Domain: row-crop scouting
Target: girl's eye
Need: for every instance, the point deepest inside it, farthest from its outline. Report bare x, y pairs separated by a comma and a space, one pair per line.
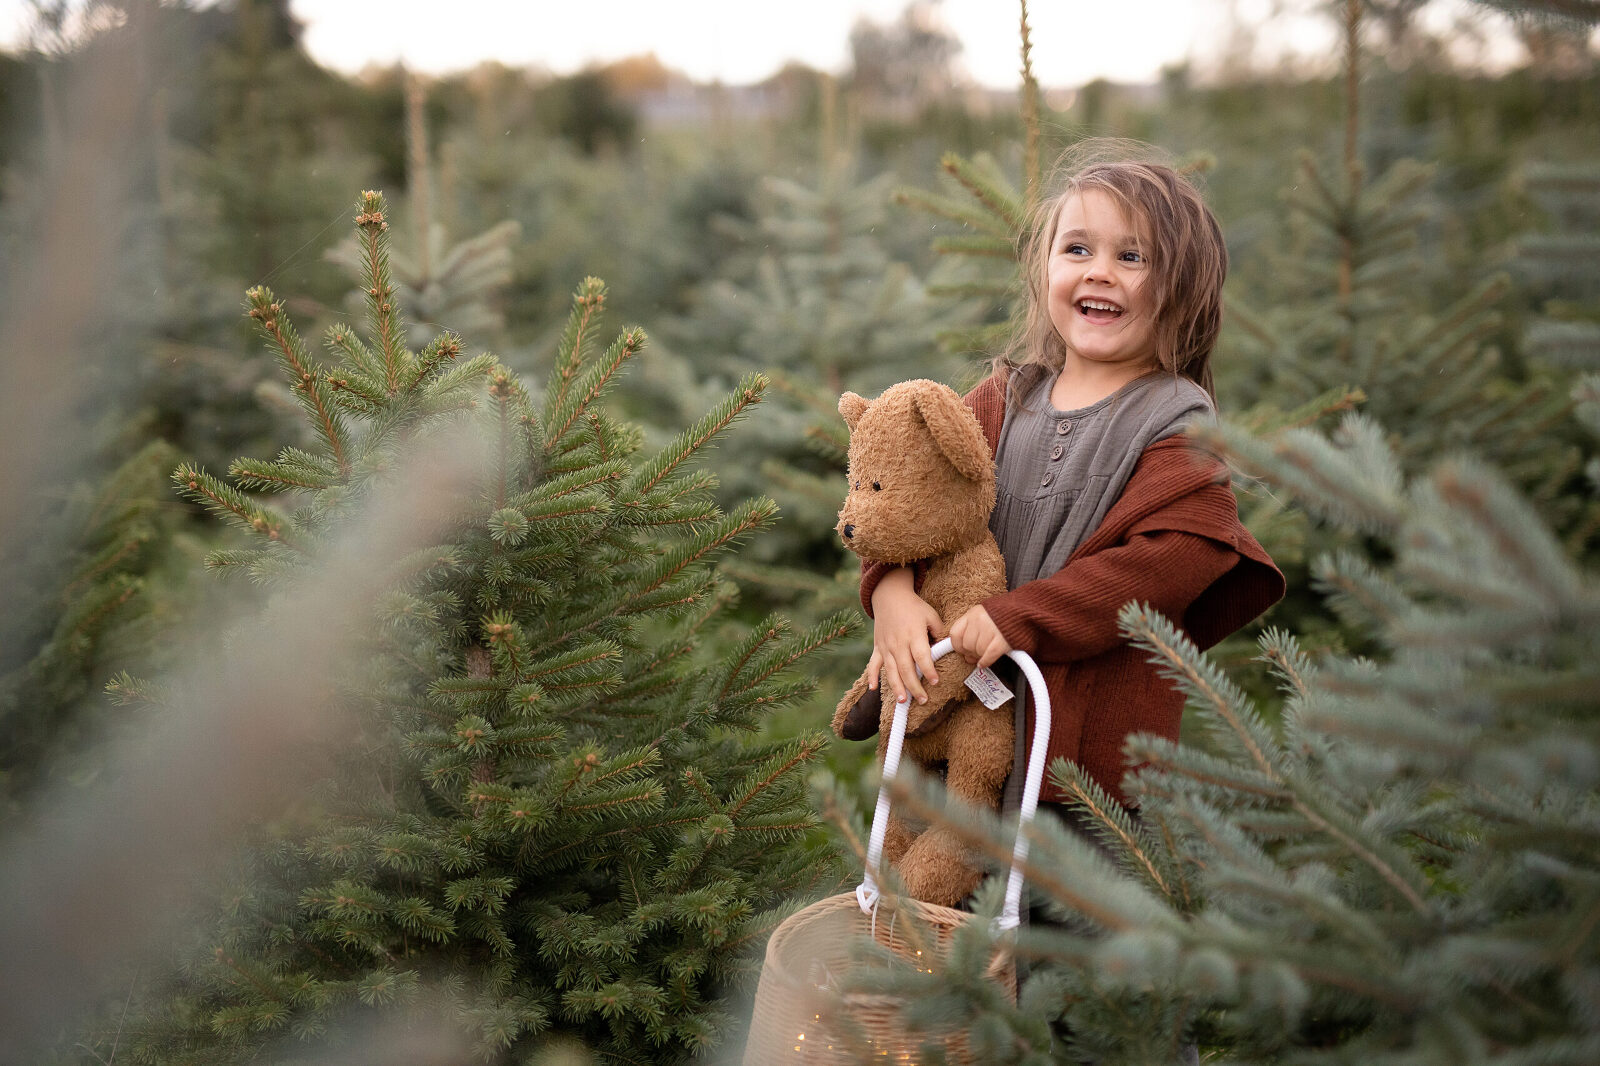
1076, 249
876, 487
1131, 256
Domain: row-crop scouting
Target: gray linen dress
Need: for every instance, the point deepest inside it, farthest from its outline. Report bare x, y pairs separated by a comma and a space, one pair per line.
1060, 472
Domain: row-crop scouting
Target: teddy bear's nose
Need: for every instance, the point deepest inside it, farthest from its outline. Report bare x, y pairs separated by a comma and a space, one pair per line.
849, 530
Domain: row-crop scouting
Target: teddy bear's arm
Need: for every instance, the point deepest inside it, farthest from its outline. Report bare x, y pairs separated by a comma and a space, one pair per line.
954, 585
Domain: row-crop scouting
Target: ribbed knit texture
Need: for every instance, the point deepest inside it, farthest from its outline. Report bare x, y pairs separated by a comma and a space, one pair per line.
1174, 541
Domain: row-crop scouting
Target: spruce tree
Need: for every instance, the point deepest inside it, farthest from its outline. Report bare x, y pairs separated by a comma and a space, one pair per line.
818, 303
120, 582
1558, 266
455, 284
1350, 311
556, 822
1402, 871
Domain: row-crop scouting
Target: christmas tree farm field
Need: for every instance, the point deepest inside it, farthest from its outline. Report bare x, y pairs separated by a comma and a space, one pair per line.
537, 811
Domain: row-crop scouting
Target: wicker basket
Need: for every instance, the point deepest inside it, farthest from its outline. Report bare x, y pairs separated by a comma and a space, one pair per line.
802, 1015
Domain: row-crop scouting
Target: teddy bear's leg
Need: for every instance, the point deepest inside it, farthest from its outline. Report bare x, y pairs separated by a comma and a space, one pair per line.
897, 839
981, 749
938, 868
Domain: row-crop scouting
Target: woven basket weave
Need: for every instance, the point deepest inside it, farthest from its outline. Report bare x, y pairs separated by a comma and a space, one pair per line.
803, 1015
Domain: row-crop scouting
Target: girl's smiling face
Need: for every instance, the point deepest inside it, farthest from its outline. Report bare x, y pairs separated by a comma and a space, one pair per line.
1098, 267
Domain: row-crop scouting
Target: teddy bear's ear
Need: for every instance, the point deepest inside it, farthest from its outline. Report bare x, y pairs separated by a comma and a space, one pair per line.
852, 407
955, 429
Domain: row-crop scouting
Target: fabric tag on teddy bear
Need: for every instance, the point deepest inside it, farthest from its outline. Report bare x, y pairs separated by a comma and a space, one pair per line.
988, 687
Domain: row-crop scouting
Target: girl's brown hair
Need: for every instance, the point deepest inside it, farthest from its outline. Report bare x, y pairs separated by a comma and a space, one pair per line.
1188, 258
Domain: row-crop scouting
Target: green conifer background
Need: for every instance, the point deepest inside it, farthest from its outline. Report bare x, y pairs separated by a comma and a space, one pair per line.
557, 820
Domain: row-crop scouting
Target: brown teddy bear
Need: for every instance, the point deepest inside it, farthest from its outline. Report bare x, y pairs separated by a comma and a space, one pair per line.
921, 490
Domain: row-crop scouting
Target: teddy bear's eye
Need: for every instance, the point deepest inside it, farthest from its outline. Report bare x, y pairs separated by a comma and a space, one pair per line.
858, 484
876, 487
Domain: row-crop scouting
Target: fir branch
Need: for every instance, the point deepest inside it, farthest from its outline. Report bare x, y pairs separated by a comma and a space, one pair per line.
93, 609
697, 436
1518, 537
255, 475
306, 378
598, 652
587, 303
505, 641
1032, 172
230, 504
125, 690
835, 627
233, 560
964, 244
119, 555
995, 848
442, 389
598, 474
697, 782
1182, 661
767, 630
1201, 768
1181, 657
955, 210
1185, 890
1110, 818
442, 350
381, 311
805, 752
576, 402
990, 189
746, 519
1282, 653
358, 392
342, 341
607, 801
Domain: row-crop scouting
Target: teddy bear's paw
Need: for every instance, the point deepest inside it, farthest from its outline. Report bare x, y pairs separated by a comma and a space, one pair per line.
938, 869
860, 721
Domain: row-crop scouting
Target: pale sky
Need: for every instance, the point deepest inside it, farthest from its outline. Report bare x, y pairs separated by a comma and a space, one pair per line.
741, 41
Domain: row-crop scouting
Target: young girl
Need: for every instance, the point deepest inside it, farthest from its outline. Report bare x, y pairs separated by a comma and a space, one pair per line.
1101, 501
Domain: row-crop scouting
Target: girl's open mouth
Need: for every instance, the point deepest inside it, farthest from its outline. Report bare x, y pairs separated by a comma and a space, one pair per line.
1099, 311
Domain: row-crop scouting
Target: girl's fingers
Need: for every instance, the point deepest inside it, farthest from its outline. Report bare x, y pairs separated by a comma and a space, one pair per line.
907, 664
874, 665
891, 674
958, 639
923, 656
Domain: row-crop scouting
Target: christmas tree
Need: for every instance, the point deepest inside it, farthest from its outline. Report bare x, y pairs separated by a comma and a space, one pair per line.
554, 820
1403, 871
1558, 266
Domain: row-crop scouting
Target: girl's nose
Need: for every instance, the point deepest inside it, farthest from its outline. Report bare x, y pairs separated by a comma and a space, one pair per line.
1098, 270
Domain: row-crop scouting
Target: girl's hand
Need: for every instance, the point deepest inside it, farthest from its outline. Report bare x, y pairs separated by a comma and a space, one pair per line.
902, 624
975, 637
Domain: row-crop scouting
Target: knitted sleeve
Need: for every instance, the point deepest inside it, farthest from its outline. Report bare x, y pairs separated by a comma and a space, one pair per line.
1072, 614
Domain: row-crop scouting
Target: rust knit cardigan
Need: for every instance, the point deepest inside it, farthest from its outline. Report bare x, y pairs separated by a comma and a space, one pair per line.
1172, 540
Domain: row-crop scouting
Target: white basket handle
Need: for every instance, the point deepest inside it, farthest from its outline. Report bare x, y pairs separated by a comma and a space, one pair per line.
867, 893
